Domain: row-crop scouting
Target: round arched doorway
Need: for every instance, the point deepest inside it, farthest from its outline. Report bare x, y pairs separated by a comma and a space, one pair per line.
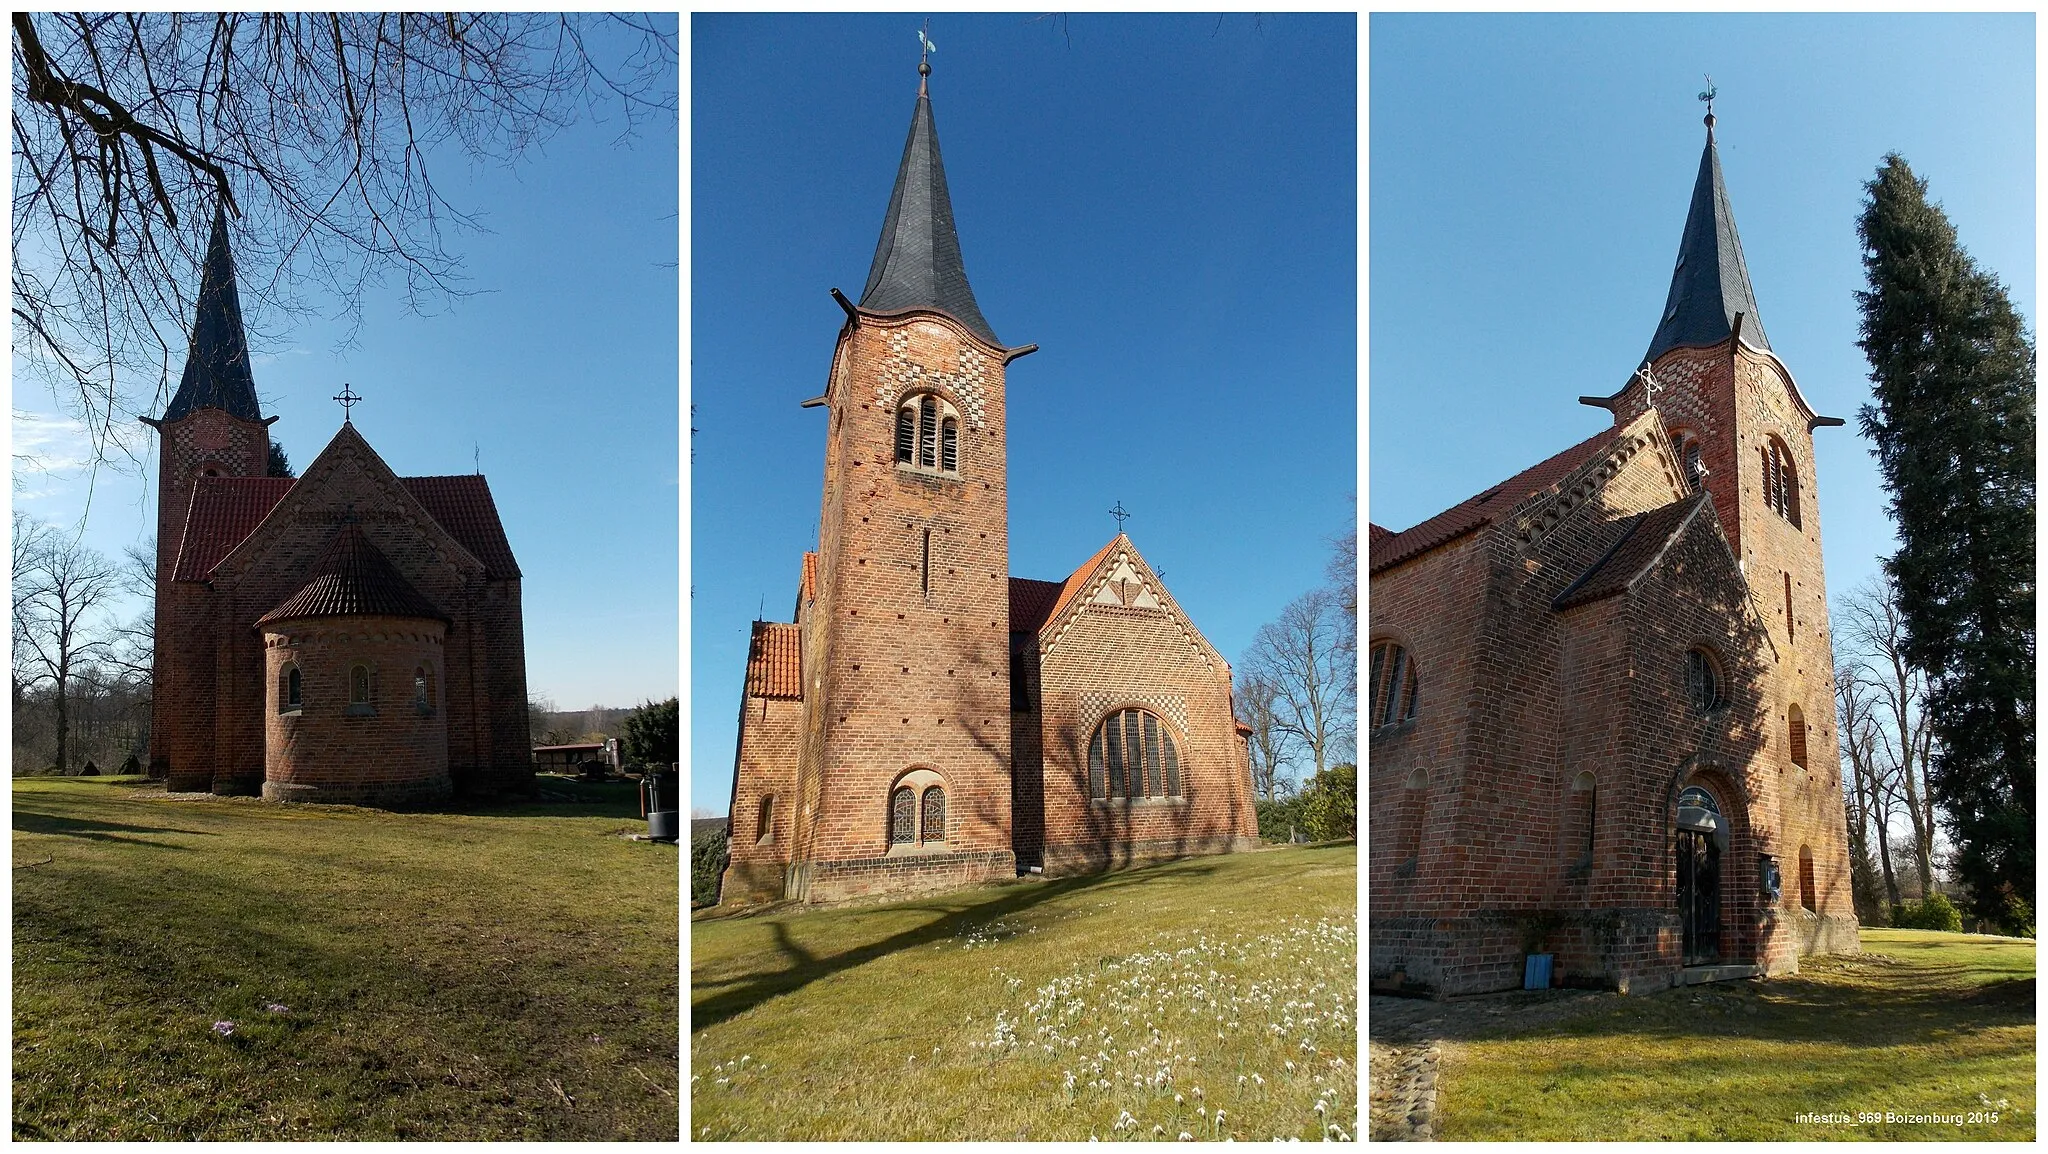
1702, 839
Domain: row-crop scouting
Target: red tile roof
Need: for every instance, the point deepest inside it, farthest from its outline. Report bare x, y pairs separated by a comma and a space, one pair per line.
224, 510
1643, 540
1477, 511
463, 506
350, 578
1031, 603
775, 661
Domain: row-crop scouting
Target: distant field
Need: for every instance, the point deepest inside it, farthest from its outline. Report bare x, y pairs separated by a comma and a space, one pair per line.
1923, 1023
1214, 997
496, 974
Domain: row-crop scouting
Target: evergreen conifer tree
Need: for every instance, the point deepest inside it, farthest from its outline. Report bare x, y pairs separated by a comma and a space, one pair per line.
1953, 426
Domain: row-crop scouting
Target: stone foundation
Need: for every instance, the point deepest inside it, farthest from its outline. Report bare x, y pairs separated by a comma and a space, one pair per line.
861, 879
1094, 857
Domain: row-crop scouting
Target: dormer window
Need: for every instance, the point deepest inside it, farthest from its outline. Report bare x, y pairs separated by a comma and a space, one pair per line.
928, 435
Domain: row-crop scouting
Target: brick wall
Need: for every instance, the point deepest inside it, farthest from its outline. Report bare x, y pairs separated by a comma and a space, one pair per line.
392, 752
1518, 699
212, 713
1102, 658
907, 650
764, 766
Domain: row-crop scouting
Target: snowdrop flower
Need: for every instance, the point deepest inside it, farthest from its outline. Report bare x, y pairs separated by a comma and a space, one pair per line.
276, 1008
224, 1028
1290, 1065
1186, 1137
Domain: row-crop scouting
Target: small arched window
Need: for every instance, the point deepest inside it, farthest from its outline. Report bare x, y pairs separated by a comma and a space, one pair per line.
932, 829
764, 825
1703, 679
1795, 733
1393, 685
928, 434
1133, 755
359, 685
903, 816
423, 695
290, 689
1806, 894
1780, 480
1689, 458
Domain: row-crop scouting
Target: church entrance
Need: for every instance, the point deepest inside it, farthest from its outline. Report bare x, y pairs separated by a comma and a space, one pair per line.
1701, 833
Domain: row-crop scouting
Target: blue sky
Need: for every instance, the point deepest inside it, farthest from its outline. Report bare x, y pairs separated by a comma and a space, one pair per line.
1168, 207
559, 378
1529, 181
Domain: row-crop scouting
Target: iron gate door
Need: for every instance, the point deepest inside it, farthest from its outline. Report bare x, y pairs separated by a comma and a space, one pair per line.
1699, 896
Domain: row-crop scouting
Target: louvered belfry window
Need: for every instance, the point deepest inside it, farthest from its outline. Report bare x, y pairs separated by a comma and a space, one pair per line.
903, 816
933, 828
1133, 755
1780, 480
928, 434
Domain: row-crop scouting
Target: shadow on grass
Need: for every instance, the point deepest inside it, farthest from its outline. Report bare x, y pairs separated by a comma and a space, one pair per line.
29, 821
806, 966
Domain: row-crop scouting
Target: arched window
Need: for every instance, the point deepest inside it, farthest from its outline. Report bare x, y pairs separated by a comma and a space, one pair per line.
1780, 480
290, 689
1579, 833
764, 826
1133, 755
1806, 897
1689, 458
932, 829
928, 434
903, 816
359, 685
1703, 679
1393, 685
423, 696
1795, 733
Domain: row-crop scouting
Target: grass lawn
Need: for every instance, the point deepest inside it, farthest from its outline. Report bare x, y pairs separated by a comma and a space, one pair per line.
1922, 1023
495, 974
1134, 1005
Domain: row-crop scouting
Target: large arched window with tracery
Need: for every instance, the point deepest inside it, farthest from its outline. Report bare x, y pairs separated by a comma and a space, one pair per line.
928, 434
1133, 754
917, 810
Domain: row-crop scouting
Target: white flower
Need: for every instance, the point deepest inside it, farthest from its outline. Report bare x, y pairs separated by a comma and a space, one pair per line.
1186, 1137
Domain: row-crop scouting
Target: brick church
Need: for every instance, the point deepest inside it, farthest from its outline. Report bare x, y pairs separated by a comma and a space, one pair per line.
347, 636
928, 720
1601, 694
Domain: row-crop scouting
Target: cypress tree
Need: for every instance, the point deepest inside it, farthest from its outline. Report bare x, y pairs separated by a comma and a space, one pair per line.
1953, 428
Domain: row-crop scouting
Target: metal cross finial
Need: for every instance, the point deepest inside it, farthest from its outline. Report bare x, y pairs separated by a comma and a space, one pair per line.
1649, 385
348, 398
1121, 514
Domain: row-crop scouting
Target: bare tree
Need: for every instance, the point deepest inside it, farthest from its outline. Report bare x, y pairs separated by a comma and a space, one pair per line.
1872, 788
1313, 673
1872, 633
1271, 746
60, 589
318, 133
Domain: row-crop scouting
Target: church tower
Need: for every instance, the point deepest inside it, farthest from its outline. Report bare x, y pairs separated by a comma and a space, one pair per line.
1744, 433
214, 426
903, 773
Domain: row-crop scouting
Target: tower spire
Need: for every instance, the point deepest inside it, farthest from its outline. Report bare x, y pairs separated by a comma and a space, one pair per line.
217, 366
1710, 295
917, 262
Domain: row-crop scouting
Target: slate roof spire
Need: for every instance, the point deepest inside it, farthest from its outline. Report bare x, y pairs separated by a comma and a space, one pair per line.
917, 263
217, 367
1710, 287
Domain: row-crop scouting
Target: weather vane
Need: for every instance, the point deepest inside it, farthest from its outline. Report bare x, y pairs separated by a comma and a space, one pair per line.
1121, 514
1707, 98
348, 397
924, 59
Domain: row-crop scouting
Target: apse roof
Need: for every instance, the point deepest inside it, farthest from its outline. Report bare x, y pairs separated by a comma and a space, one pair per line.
351, 578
